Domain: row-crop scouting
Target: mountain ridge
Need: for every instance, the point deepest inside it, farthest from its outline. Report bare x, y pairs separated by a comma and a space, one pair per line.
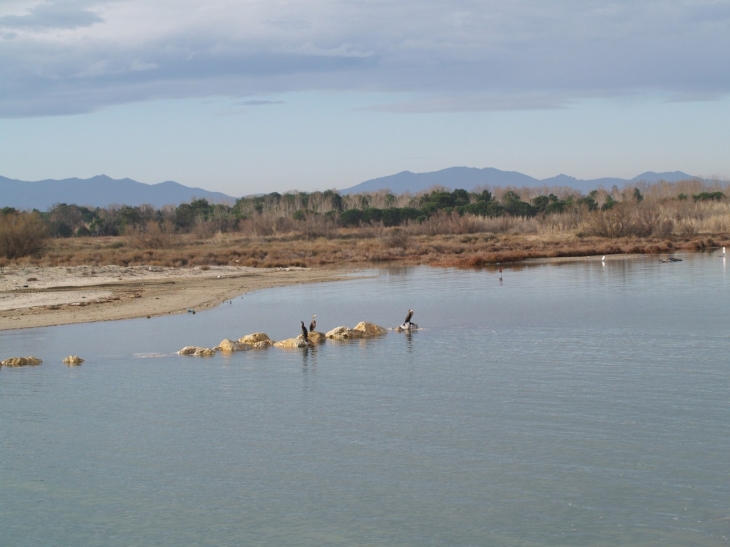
469, 178
99, 191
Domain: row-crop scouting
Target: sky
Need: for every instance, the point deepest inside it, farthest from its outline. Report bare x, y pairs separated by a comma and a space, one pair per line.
250, 96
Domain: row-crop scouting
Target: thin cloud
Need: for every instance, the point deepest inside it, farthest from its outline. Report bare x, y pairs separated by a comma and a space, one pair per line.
259, 103
62, 57
473, 104
54, 15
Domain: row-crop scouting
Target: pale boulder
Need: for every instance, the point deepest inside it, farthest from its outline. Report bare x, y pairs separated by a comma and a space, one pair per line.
73, 360
298, 342
197, 351
368, 330
21, 361
255, 338
229, 346
340, 333
362, 330
317, 337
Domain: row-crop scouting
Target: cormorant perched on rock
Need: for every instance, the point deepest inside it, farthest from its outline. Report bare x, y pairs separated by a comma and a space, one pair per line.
304, 331
408, 318
313, 324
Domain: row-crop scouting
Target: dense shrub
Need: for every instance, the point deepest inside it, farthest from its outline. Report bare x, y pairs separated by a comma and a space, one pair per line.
22, 234
154, 235
709, 196
351, 217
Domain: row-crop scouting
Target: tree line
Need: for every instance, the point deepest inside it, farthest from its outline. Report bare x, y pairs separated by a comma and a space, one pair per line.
307, 213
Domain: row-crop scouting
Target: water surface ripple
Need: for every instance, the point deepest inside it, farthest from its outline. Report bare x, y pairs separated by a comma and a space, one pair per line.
574, 404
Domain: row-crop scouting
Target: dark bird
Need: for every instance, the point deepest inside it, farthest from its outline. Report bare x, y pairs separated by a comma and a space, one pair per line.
408, 318
313, 324
304, 331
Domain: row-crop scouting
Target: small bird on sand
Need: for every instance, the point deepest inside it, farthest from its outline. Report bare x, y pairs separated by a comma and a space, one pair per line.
190, 310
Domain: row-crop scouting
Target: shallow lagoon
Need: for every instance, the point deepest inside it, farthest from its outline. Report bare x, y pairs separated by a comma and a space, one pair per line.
571, 404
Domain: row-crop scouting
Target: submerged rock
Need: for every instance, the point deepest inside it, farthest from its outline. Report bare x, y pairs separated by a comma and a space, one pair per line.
73, 360
406, 327
229, 346
197, 351
21, 361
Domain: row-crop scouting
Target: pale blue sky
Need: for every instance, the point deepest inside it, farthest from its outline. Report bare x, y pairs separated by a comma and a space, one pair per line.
245, 96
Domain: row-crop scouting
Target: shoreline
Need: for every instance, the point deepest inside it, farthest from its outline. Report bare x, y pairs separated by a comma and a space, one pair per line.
32, 296
35, 296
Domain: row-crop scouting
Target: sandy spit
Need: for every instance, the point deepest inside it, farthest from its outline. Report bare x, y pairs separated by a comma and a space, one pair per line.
42, 297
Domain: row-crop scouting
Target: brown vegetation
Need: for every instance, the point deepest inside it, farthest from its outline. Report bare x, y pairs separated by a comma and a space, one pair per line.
657, 218
405, 245
21, 234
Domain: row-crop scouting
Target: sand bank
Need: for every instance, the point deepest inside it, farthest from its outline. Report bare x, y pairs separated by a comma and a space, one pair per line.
40, 297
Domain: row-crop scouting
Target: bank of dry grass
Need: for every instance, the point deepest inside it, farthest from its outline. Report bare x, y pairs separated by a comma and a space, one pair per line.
656, 224
473, 249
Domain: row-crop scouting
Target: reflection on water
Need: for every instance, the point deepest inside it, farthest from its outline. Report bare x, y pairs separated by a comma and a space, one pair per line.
577, 403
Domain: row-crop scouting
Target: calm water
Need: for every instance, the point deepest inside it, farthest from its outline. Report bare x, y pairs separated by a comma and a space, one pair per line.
575, 404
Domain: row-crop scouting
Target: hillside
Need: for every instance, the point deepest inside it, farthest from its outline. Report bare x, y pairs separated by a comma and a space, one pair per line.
469, 178
99, 191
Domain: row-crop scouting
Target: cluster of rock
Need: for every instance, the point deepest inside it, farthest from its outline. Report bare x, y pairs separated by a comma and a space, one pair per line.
197, 351
71, 360
260, 340
362, 330
406, 327
21, 361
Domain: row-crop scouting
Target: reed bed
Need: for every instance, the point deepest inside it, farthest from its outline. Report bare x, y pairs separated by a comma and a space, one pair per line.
407, 245
648, 218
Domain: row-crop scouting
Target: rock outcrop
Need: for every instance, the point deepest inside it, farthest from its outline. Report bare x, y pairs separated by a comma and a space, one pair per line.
257, 340
368, 330
317, 337
406, 327
362, 330
197, 351
340, 333
289, 343
73, 360
21, 361
229, 346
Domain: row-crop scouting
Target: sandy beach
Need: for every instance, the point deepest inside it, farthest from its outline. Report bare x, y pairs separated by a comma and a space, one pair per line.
39, 297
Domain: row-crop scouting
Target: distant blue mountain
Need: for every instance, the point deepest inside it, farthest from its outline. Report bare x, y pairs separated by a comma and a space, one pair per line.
99, 191
469, 178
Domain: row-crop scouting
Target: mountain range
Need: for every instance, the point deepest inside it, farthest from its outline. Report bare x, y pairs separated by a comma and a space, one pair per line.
469, 178
99, 191
102, 191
